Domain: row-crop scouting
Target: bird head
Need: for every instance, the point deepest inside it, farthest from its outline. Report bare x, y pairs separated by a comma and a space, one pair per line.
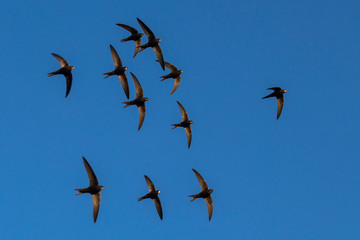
158, 191
141, 34
284, 90
125, 68
191, 121
158, 40
211, 190
101, 187
145, 99
181, 71
72, 67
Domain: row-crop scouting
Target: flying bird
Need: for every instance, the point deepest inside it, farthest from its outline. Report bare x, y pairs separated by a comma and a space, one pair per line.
94, 189
152, 42
279, 94
135, 36
153, 194
139, 101
205, 194
119, 71
185, 123
175, 74
64, 70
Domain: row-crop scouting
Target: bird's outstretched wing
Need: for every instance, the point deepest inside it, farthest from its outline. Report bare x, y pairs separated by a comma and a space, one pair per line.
96, 204
209, 204
92, 177
188, 131
159, 56
280, 103
128, 28
184, 114
68, 78
149, 183
201, 180
158, 207
115, 57
61, 60
146, 30
139, 90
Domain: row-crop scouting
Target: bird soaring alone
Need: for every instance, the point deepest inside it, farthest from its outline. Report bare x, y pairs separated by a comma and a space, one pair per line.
279, 94
94, 189
205, 193
153, 194
64, 70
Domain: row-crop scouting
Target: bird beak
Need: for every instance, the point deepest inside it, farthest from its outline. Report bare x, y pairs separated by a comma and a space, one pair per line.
284, 90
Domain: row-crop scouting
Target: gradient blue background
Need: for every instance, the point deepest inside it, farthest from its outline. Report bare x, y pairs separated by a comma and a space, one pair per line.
293, 178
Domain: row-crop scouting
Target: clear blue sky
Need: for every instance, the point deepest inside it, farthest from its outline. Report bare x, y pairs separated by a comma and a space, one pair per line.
293, 178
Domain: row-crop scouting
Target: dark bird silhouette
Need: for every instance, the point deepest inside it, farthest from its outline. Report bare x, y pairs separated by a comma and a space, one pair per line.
135, 36
64, 70
153, 194
175, 74
185, 123
119, 71
94, 189
279, 94
205, 194
152, 42
139, 101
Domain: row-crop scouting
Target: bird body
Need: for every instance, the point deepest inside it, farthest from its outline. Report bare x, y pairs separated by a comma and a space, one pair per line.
135, 36
175, 74
153, 42
279, 94
185, 123
64, 70
153, 194
205, 193
139, 101
119, 71
94, 189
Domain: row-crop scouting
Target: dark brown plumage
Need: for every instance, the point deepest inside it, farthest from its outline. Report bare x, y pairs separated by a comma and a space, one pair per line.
205, 193
152, 42
185, 123
64, 70
139, 101
279, 94
175, 74
135, 36
153, 194
94, 189
119, 71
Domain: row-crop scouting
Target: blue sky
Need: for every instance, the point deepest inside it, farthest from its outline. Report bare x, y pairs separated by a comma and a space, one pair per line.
292, 178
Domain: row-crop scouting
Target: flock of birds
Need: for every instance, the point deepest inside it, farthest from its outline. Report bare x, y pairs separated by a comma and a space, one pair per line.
139, 100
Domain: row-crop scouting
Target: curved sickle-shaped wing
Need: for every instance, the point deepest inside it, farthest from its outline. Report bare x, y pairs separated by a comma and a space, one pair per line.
128, 28
280, 103
158, 206
209, 204
115, 57
96, 205
150, 184
139, 90
184, 114
146, 30
61, 60
68, 78
201, 180
92, 177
